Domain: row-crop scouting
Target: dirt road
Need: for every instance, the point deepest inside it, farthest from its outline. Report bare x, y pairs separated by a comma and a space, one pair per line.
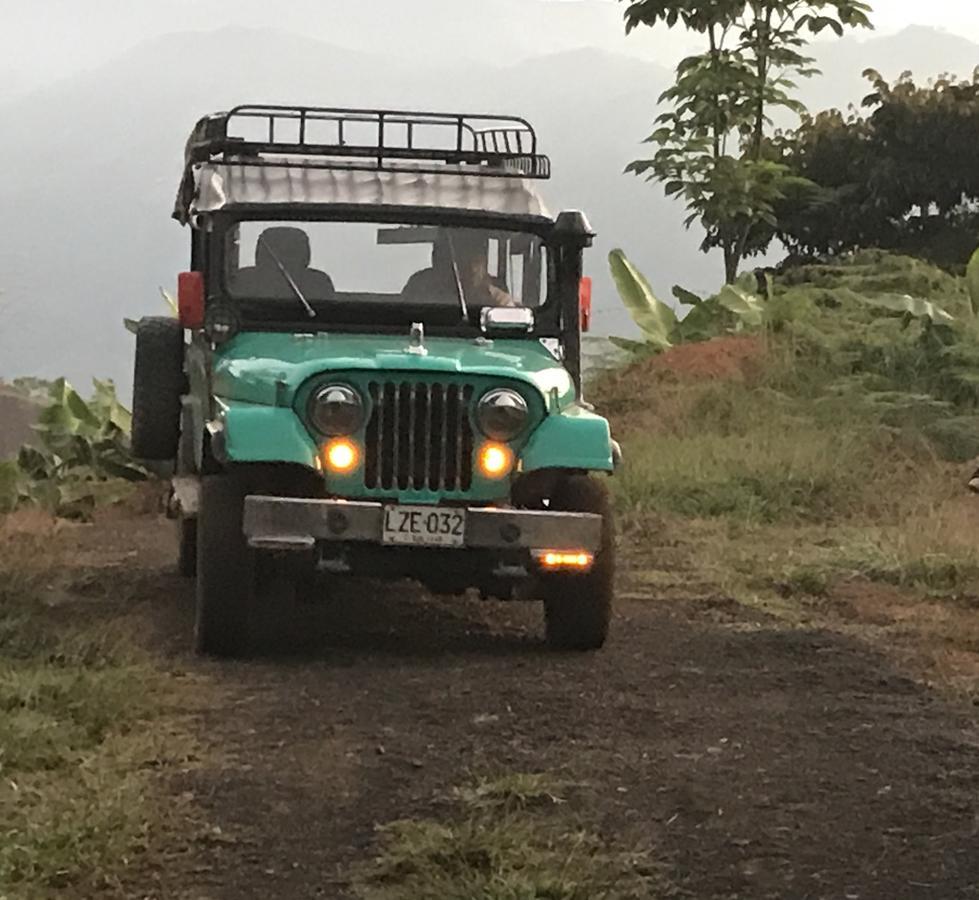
750, 760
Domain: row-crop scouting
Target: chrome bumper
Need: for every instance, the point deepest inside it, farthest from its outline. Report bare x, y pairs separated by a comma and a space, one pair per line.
274, 523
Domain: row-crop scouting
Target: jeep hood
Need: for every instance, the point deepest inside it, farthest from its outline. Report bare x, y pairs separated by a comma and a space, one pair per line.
269, 368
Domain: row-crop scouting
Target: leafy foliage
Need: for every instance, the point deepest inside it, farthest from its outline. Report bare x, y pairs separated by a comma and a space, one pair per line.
866, 383
734, 308
36, 389
80, 458
712, 148
900, 177
972, 282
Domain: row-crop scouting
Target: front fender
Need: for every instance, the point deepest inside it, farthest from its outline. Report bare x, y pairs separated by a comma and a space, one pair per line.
572, 439
253, 433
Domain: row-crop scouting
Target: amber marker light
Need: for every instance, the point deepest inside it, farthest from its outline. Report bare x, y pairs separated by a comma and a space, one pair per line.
557, 559
341, 456
495, 460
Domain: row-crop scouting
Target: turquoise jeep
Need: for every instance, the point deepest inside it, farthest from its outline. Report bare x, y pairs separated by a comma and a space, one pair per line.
376, 369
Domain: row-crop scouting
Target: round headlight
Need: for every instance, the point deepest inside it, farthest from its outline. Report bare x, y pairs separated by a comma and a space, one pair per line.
336, 410
502, 414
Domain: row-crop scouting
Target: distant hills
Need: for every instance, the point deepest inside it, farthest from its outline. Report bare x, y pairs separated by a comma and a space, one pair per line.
92, 163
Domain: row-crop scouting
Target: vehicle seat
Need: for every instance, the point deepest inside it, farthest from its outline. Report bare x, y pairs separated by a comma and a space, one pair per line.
264, 280
436, 284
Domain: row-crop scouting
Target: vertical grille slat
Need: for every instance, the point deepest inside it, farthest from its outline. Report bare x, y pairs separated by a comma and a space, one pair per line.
443, 482
460, 415
396, 434
374, 437
468, 444
419, 437
409, 469
388, 443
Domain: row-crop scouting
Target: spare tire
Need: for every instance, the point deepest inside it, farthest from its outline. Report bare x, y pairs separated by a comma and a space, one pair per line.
158, 384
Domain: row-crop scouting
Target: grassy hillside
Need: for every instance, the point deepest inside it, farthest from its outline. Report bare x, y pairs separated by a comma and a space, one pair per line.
817, 472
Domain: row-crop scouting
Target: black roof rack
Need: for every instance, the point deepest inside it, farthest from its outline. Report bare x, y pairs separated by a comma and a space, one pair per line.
365, 140
371, 139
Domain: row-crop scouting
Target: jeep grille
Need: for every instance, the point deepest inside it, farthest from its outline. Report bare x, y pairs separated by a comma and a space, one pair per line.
419, 437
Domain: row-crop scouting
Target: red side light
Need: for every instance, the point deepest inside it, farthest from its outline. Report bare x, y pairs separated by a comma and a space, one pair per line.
190, 299
584, 303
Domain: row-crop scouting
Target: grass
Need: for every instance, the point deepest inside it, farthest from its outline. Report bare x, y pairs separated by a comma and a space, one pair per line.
752, 453
825, 485
76, 755
506, 838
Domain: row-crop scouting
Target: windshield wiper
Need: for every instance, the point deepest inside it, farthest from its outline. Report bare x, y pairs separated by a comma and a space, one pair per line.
289, 279
460, 290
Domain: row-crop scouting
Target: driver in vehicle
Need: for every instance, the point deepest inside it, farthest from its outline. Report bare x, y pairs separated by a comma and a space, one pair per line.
282, 263
479, 285
471, 262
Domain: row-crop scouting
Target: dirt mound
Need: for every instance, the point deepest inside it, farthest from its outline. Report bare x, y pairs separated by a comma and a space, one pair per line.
725, 359
17, 415
639, 395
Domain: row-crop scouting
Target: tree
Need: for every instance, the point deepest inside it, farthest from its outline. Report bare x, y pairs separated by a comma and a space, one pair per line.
901, 176
712, 142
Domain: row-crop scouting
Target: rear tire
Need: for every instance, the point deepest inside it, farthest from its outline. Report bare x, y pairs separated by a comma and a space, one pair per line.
578, 608
225, 569
158, 383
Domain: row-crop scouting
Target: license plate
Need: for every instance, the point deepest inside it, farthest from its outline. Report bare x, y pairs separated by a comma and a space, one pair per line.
424, 526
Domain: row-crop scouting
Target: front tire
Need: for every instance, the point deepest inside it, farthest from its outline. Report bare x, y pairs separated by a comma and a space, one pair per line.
225, 569
578, 608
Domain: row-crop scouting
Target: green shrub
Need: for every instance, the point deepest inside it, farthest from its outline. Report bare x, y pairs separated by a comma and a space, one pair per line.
80, 458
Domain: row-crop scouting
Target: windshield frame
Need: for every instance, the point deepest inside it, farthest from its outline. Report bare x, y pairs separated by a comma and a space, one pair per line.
547, 313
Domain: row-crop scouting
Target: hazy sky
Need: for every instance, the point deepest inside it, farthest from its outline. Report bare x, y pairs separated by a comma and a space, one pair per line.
957, 16
45, 38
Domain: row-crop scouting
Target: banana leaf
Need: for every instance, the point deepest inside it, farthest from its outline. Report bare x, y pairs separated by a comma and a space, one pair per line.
655, 319
916, 307
748, 308
972, 281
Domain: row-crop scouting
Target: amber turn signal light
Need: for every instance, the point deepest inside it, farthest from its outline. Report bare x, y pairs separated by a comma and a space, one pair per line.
495, 460
580, 561
341, 456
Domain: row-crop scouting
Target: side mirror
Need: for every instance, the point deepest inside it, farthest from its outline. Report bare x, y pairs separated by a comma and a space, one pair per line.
584, 302
190, 299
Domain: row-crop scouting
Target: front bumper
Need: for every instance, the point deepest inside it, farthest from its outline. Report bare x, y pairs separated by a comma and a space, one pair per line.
275, 523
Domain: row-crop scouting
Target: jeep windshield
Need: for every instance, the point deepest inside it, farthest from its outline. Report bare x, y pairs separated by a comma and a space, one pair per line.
374, 274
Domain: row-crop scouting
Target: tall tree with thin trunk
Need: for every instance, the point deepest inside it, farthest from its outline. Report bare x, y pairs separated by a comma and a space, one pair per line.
712, 141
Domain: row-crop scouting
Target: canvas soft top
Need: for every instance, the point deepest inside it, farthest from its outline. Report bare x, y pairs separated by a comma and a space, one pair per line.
223, 186
258, 157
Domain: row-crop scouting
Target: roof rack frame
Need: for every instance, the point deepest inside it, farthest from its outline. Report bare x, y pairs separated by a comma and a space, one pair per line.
483, 145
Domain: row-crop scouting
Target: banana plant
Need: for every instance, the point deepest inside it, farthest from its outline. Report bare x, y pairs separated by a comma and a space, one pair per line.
81, 457
655, 319
735, 308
